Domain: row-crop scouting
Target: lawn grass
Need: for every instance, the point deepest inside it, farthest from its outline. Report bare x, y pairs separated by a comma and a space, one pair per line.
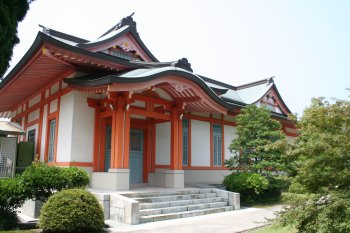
276, 229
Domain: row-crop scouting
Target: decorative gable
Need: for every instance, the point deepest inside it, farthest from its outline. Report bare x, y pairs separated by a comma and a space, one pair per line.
122, 41
273, 102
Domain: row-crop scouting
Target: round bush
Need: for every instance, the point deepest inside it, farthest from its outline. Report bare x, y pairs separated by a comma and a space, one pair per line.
249, 185
71, 210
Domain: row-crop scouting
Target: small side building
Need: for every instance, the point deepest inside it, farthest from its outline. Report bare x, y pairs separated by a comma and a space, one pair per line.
111, 107
9, 132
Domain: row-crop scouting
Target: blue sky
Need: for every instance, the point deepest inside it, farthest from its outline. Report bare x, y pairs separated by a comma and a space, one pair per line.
305, 44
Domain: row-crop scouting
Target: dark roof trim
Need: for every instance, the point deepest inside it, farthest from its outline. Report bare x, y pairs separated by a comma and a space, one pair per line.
41, 38
102, 56
127, 21
280, 98
209, 80
25, 59
256, 83
98, 81
110, 79
62, 35
181, 63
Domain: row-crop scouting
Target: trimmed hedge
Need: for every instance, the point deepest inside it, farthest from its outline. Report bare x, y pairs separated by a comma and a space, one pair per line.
71, 210
255, 187
41, 181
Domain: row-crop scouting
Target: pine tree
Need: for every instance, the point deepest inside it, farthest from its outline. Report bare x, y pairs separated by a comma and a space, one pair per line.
255, 131
11, 12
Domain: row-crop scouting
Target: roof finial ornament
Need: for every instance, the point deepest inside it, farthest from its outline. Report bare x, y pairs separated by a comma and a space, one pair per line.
128, 20
184, 64
46, 30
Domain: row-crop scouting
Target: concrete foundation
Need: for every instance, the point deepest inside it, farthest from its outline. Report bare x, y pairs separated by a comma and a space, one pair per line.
124, 210
205, 176
31, 208
167, 178
114, 179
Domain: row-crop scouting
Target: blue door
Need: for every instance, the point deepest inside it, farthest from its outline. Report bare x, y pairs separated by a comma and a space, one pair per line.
136, 156
108, 148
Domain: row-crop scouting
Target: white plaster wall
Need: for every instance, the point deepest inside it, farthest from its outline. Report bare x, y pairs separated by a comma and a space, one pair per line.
47, 93
65, 124
205, 176
43, 133
163, 143
83, 129
139, 104
34, 100
229, 134
34, 115
53, 106
55, 88
200, 143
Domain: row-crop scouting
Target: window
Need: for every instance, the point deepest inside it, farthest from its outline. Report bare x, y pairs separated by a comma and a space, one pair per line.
52, 135
31, 136
185, 142
217, 145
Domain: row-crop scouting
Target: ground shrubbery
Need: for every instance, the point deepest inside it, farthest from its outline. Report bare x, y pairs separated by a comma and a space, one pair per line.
73, 210
255, 187
38, 182
41, 181
12, 196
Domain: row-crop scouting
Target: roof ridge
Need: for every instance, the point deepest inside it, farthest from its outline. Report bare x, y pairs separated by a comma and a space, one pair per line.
213, 81
128, 20
256, 83
62, 35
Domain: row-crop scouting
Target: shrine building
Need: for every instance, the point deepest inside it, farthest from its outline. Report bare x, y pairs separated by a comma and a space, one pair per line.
110, 107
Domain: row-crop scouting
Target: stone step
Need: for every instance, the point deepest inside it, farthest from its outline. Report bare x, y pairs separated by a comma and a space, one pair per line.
174, 209
185, 214
155, 205
167, 193
174, 197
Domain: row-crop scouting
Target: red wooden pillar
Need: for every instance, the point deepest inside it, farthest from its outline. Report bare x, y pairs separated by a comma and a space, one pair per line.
174, 147
118, 134
180, 144
97, 139
126, 145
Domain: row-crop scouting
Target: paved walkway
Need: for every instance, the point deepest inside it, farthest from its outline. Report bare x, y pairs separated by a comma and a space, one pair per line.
226, 222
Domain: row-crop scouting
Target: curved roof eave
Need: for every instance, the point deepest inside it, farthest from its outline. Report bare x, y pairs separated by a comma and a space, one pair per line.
33, 48
133, 32
42, 38
280, 98
110, 79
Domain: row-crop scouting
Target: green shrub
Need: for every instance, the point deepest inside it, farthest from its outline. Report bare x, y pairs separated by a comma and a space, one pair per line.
41, 181
71, 210
316, 213
256, 187
11, 197
249, 185
277, 185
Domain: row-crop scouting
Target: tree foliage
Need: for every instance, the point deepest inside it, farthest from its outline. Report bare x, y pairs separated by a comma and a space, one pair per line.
318, 198
11, 12
256, 130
